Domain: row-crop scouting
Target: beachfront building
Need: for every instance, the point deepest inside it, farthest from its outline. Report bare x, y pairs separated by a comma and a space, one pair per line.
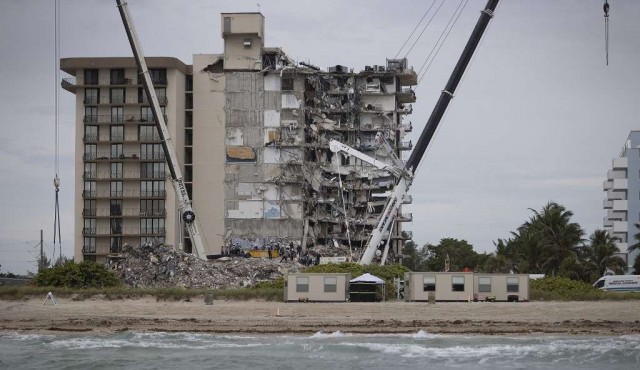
251, 129
622, 200
465, 286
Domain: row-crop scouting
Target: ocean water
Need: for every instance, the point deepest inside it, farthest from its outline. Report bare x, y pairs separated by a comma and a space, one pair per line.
324, 351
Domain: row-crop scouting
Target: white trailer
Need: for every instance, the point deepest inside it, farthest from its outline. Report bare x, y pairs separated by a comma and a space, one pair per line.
619, 283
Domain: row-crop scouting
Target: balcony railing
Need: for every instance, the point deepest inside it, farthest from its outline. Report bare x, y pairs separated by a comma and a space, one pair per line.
89, 249
149, 137
126, 212
405, 145
88, 231
91, 100
121, 156
117, 118
130, 231
89, 175
127, 193
90, 138
153, 175
89, 212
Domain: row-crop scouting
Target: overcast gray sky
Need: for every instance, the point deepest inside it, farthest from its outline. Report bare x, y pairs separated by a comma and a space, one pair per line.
538, 117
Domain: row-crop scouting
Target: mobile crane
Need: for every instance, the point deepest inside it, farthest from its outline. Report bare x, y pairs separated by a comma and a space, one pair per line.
184, 203
404, 173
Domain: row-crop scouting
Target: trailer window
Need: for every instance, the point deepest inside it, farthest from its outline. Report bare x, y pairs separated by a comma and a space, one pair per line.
429, 284
513, 284
484, 284
330, 284
302, 284
457, 283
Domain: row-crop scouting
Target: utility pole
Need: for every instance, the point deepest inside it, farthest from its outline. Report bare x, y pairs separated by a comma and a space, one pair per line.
41, 264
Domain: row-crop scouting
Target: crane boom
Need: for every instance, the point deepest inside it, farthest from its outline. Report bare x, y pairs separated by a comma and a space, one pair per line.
184, 203
404, 182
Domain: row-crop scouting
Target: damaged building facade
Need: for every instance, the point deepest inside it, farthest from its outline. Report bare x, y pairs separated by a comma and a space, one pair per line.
252, 131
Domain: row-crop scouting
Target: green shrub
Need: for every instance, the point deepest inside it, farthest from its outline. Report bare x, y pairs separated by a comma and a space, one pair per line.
562, 286
76, 275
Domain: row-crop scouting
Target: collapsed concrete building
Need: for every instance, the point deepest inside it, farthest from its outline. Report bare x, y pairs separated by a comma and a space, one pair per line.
251, 128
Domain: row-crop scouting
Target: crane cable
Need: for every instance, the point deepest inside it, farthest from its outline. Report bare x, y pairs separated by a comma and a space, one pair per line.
414, 29
56, 179
605, 7
443, 36
424, 29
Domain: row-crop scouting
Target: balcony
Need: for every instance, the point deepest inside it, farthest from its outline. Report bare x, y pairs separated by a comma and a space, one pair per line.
607, 204
126, 212
607, 223
620, 184
405, 217
89, 175
408, 127
620, 205
91, 100
127, 193
620, 163
607, 185
408, 199
405, 235
107, 156
89, 249
89, 212
620, 226
129, 118
88, 231
407, 95
405, 145
69, 84
130, 231
90, 138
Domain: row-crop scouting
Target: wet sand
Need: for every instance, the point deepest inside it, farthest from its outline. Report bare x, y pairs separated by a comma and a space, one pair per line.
98, 315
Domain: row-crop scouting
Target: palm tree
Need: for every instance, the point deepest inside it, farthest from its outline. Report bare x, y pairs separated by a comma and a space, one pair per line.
635, 246
600, 255
556, 235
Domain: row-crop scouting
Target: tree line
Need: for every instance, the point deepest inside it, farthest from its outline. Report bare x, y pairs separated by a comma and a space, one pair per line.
547, 243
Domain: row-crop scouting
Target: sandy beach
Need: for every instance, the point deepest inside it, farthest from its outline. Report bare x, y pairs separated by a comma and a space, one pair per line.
146, 314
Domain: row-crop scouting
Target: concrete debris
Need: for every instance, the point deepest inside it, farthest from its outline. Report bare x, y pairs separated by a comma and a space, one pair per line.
164, 266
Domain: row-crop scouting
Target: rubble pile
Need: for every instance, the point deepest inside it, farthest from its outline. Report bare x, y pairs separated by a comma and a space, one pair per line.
330, 250
163, 266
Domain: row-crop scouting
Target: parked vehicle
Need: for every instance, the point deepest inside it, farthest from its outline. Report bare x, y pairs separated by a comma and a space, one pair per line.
619, 283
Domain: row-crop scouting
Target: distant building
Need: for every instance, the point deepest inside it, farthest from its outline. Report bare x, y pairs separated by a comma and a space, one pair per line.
622, 202
251, 130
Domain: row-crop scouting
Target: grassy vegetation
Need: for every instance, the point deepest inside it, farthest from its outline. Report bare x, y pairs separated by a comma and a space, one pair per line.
565, 289
161, 294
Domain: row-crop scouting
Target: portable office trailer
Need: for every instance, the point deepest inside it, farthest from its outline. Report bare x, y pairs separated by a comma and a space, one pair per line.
446, 286
317, 287
464, 286
501, 287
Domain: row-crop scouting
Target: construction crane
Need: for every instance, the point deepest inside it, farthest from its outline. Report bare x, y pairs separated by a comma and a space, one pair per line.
405, 173
184, 203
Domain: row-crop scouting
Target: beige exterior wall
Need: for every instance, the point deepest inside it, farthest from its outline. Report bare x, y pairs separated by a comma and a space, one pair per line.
243, 35
209, 151
444, 292
316, 288
499, 286
414, 286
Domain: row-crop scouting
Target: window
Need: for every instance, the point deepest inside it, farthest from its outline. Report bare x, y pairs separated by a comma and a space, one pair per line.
116, 133
115, 207
151, 151
117, 114
89, 226
90, 169
89, 245
117, 96
90, 152
151, 189
146, 115
152, 207
90, 114
90, 76
116, 170
302, 284
148, 133
188, 83
116, 244
92, 96
116, 151
513, 284
161, 94
286, 84
117, 76
600, 283
116, 226
330, 284
89, 189
429, 283
116, 189
89, 208
484, 284
151, 226
158, 76
152, 170
90, 134
457, 283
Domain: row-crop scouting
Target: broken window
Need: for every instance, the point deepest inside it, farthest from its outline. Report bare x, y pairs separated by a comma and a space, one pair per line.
286, 84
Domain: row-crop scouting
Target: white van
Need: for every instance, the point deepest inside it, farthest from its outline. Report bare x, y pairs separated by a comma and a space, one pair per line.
619, 283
